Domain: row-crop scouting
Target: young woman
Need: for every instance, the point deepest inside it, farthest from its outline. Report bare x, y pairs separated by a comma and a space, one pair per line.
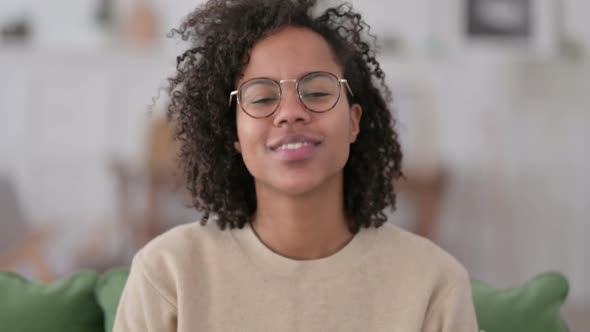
288, 144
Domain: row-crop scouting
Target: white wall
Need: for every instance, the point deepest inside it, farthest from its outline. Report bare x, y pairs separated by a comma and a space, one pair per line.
419, 22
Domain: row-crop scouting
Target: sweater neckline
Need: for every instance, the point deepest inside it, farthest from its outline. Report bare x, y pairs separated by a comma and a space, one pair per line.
349, 256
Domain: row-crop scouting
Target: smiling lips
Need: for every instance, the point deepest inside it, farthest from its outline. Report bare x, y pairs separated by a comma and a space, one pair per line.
295, 147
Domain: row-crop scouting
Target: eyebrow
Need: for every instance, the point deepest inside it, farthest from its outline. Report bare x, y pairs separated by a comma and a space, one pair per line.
279, 79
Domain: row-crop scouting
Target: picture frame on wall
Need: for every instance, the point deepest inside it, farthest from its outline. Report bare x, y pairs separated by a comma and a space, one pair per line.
503, 27
502, 19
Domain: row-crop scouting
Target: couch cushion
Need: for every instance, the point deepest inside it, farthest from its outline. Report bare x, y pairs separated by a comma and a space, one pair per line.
532, 307
108, 291
63, 306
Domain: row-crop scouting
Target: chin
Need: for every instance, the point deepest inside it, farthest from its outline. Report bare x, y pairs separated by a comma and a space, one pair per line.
287, 185
297, 187
298, 182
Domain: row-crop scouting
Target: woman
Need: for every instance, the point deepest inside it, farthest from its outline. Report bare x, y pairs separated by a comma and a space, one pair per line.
288, 143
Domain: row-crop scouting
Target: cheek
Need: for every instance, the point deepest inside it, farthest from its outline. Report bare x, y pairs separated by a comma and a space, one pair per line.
340, 138
251, 139
246, 130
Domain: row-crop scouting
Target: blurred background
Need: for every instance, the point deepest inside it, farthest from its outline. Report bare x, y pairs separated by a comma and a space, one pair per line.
492, 99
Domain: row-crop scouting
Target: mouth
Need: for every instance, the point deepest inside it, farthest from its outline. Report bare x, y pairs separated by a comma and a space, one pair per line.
294, 141
295, 147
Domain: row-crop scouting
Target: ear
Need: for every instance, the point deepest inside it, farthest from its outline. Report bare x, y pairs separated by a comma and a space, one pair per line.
356, 112
237, 146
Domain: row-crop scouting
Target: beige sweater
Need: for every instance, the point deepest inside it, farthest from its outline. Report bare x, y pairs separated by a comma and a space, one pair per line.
200, 278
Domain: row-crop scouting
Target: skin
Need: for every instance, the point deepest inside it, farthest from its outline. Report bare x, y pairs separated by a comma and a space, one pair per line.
300, 211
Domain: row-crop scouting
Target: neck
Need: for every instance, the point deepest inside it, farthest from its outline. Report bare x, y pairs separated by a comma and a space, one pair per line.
307, 226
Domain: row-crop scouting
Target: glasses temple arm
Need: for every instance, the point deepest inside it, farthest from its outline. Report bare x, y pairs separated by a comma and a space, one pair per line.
347, 86
233, 93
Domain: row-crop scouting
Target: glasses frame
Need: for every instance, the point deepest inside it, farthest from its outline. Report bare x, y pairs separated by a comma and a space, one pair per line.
340, 81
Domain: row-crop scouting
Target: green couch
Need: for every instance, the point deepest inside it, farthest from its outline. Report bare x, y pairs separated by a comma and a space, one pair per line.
87, 302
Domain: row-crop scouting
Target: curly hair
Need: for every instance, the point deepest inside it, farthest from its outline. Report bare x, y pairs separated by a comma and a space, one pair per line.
222, 34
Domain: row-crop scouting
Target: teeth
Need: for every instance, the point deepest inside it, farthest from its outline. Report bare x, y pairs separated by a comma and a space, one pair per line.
293, 146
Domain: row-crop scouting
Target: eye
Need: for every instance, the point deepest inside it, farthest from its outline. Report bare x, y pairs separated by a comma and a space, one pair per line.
315, 95
266, 100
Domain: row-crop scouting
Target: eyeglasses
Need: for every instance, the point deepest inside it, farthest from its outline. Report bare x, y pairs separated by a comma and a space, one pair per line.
317, 91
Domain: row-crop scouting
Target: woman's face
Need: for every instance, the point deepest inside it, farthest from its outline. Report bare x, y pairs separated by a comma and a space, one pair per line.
295, 151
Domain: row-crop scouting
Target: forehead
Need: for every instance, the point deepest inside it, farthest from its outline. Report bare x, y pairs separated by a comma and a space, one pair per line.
290, 53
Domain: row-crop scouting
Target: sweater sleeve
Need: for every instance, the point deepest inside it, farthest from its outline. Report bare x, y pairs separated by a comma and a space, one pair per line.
143, 306
452, 309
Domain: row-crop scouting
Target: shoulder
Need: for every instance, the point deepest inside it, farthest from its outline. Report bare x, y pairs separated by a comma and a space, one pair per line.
180, 254
182, 244
419, 256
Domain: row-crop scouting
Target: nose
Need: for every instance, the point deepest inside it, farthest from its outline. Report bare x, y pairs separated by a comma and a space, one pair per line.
291, 110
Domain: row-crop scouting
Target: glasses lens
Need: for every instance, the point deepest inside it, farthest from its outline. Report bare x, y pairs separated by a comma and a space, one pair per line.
319, 91
260, 97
